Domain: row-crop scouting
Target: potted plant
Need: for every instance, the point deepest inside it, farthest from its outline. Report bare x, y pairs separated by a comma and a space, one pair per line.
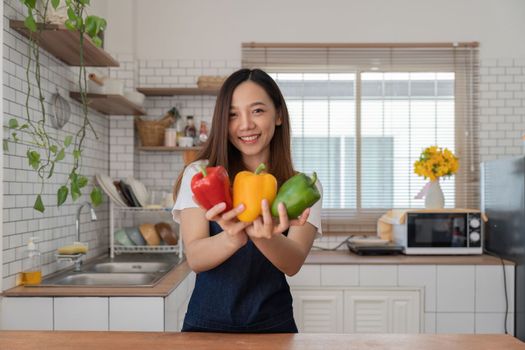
46, 149
433, 163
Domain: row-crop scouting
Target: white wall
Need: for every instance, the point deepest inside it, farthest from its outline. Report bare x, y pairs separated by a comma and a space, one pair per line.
210, 29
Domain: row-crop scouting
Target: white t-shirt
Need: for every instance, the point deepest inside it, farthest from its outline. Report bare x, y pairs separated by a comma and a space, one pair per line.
185, 200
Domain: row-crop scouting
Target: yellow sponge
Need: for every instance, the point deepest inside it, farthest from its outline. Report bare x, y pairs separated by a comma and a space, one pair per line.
75, 248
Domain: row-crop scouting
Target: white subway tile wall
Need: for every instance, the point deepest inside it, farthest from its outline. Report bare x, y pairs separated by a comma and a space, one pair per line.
55, 227
158, 171
121, 130
502, 108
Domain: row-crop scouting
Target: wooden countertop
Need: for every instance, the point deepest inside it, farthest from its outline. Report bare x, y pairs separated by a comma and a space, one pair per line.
25, 340
162, 289
346, 257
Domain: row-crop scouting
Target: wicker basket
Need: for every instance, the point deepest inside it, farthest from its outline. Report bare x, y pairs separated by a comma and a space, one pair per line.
209, 82
151, 132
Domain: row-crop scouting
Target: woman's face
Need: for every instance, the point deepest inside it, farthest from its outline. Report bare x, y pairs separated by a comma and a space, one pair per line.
252, 123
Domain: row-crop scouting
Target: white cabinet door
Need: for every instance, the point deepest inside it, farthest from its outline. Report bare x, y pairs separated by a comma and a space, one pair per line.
181, 314
136, 314
83, 314
493, 288
381, 311
29, 313
455, 288
172, 304
318, 311
309, 275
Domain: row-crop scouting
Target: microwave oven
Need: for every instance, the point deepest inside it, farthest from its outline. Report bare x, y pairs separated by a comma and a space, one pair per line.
440, 233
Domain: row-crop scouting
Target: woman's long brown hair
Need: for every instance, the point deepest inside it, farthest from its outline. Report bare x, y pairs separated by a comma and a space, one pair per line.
219, 151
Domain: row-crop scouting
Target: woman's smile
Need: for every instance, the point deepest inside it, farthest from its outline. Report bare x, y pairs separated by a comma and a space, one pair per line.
251, 139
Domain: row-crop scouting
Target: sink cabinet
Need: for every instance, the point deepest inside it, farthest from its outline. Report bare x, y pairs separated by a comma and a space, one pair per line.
98, 313
74, 314
136, 314
27, 313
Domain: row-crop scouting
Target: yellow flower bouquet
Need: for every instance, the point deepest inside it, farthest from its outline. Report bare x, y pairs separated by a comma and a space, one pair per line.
435, 162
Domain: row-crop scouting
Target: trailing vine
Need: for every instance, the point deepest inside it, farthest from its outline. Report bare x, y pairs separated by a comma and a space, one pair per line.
45, 150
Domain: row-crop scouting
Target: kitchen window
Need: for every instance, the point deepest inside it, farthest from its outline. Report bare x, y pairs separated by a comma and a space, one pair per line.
361, 116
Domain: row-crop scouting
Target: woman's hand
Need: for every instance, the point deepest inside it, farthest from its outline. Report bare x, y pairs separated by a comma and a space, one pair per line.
264, 227
233, 228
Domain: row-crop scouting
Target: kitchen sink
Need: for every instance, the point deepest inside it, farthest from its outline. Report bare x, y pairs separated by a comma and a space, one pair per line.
131, 270
106, 279
131, 267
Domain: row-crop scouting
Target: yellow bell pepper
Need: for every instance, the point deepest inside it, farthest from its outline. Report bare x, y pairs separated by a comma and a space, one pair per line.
250, 189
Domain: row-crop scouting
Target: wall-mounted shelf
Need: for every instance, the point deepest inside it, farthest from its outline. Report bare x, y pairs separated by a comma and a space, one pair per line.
110, 104
164, 91
65, 45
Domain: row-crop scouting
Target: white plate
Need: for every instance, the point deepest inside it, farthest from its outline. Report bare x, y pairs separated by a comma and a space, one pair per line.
368, 241
140, 191
106, 183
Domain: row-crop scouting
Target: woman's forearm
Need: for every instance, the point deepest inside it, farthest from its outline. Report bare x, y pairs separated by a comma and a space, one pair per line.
207, 253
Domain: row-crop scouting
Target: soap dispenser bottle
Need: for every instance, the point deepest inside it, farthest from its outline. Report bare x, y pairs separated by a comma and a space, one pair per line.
32, 272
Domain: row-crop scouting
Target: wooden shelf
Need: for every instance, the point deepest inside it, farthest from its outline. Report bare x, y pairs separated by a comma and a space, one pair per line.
167, 149
65, 45
163, 91
110, 104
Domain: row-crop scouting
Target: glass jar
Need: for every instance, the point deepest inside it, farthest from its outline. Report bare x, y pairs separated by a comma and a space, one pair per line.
170, 137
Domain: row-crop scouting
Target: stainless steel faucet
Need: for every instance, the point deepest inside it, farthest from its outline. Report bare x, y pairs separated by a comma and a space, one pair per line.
77, 222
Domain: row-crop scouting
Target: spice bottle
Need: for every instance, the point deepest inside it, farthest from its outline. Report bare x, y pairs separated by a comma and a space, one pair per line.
203, 133
190, 130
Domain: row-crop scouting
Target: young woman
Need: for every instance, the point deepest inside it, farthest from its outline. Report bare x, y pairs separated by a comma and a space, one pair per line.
241, 267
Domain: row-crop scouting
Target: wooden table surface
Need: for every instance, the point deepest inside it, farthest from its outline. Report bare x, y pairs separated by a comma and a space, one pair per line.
25, 340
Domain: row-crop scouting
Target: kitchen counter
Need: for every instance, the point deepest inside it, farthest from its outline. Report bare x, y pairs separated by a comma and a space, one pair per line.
173, 278
162, 289
345, 257
25, 340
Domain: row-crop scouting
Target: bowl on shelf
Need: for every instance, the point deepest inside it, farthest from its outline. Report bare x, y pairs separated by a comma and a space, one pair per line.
150, 234
122, 238
135, 236
185, 141
135, 97
94, 88
113, 87
166, 232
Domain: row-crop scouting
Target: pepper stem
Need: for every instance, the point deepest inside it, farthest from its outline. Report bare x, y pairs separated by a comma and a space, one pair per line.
202, 168
313, 179
260, 168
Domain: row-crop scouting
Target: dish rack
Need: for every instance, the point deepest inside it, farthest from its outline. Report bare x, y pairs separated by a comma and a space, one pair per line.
131, 216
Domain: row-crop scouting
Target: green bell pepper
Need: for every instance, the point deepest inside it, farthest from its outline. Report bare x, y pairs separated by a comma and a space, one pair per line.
297, 193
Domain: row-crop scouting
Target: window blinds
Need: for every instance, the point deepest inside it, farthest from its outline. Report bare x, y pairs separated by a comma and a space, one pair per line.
362, 113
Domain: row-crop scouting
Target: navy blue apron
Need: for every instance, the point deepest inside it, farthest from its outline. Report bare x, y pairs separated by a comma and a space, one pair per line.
244, 294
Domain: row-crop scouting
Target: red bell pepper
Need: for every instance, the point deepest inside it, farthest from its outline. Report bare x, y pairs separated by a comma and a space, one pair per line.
211, 186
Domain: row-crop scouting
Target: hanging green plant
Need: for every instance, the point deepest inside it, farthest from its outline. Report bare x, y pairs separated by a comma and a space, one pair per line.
45, 150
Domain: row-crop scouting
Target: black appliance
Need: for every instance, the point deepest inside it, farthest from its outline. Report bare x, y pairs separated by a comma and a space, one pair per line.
503, 200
